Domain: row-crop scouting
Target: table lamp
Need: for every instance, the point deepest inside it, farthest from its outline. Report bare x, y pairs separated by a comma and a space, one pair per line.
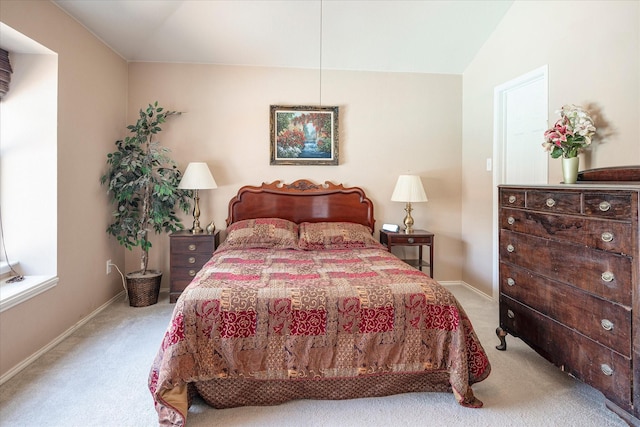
409, 189
197, 177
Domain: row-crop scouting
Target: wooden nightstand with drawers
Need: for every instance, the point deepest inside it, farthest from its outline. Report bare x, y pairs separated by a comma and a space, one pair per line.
189, 252
417, 238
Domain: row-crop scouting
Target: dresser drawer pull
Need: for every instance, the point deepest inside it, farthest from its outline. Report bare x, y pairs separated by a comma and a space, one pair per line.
512, 199
550, 202
192, 247
606, 324
606, 369
511, 220
607, 236
510, 281
604, 206
192, 260
192, 273
510, 248
607, 276
410, 240
510, 314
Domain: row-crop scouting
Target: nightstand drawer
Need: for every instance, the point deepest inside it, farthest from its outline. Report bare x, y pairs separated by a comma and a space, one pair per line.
187, 245
408, 239
190, 260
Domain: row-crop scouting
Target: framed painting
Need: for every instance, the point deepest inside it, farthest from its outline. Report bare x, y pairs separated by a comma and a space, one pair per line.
304, 135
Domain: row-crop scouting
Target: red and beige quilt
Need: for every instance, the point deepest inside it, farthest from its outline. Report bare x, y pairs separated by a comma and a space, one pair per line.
275, 314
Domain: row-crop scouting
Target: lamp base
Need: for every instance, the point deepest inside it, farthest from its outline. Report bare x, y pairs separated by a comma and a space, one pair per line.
196, 215
408, 220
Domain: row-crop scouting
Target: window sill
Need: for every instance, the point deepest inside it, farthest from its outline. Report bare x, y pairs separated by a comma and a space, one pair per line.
12, 294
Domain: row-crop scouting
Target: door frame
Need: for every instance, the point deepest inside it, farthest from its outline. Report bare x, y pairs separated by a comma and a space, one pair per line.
499, 147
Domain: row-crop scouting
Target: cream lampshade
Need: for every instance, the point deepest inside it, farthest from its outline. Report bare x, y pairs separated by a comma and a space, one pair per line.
409, 189
197, 177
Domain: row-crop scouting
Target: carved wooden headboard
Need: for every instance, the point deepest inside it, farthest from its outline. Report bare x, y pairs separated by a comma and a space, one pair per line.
302, 201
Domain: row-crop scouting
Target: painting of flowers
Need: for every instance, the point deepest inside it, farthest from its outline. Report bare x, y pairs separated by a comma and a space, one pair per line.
304, 135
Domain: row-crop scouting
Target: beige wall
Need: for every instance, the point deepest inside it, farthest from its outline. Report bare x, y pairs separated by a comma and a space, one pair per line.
390, 124
593, 54
92, 93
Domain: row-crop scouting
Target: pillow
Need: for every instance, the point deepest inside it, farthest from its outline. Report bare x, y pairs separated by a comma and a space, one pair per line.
268, 233
335, 235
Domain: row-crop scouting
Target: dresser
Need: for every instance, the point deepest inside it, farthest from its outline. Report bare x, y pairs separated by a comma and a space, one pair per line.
569, 280
189, 252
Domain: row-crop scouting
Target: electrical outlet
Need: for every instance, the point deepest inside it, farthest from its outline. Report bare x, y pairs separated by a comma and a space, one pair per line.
108, 266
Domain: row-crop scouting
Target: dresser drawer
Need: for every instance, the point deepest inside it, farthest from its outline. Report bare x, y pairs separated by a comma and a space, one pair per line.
599, 319
601, 273
512, 198
606, 205
554, 201
574, 353
613, 236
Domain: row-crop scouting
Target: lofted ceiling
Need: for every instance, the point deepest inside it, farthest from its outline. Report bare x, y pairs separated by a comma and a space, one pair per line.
420, 36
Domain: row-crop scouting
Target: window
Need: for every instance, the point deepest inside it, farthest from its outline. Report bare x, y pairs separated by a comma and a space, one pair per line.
28, 166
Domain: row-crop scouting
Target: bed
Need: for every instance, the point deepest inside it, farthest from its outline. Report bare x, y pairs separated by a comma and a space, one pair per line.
301, 302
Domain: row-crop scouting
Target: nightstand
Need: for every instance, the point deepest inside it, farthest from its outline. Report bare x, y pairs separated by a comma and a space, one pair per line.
189, 252
417, 238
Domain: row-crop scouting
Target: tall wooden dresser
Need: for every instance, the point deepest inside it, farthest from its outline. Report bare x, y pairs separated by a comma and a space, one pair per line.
569, 279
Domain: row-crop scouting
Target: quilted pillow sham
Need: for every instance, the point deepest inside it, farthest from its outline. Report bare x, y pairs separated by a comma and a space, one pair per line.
267, 233
335, 235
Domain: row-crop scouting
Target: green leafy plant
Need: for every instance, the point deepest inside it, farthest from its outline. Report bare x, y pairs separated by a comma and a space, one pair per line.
142, 182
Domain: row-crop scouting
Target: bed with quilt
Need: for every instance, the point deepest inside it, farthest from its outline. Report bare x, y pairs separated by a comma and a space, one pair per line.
301, 302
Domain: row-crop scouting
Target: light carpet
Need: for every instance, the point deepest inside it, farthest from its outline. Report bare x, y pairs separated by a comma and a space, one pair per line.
98, 377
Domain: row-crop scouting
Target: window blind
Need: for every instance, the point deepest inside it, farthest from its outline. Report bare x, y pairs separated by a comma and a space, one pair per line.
5, 72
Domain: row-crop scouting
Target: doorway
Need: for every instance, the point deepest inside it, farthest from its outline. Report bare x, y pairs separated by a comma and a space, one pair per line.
520, 119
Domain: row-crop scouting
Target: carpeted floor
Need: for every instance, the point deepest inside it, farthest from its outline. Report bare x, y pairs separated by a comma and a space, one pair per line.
98, 377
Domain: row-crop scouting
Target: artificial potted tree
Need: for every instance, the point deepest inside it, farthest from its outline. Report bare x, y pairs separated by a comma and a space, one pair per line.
142, 182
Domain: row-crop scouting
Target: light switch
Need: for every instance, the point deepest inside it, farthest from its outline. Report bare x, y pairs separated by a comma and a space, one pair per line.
489, 165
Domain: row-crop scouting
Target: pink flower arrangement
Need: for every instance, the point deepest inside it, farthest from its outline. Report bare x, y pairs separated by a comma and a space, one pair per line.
571, 133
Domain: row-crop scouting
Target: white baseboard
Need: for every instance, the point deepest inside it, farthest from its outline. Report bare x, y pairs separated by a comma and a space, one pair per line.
466, 285
29, 360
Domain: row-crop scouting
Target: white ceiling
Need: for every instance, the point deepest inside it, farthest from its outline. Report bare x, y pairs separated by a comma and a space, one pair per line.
422, 36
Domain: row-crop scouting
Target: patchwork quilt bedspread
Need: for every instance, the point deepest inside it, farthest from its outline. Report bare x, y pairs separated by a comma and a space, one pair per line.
273, 314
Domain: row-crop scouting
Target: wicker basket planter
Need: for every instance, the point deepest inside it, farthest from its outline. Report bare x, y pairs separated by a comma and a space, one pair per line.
143, 290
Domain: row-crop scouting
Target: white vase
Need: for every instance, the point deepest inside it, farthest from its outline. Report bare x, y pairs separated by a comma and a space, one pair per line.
570, 169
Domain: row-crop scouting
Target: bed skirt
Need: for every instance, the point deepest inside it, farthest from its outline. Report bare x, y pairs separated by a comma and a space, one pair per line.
228, 393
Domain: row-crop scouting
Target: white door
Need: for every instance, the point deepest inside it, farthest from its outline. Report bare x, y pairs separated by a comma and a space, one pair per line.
520, 119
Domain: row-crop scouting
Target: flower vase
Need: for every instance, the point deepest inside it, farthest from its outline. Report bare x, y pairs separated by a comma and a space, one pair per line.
570, 169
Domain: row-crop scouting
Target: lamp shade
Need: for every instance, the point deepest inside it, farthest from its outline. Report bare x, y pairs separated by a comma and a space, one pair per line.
197, 177
409, 189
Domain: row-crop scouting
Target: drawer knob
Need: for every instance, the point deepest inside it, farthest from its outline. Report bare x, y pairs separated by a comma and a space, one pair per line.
512, 199
192, 247
607, 236
510, 314
606, 369
510, 281
410, 240
192, 260
510, 248
192, 273
511, 220
606, 324
604, 206
550, 202
607, 276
